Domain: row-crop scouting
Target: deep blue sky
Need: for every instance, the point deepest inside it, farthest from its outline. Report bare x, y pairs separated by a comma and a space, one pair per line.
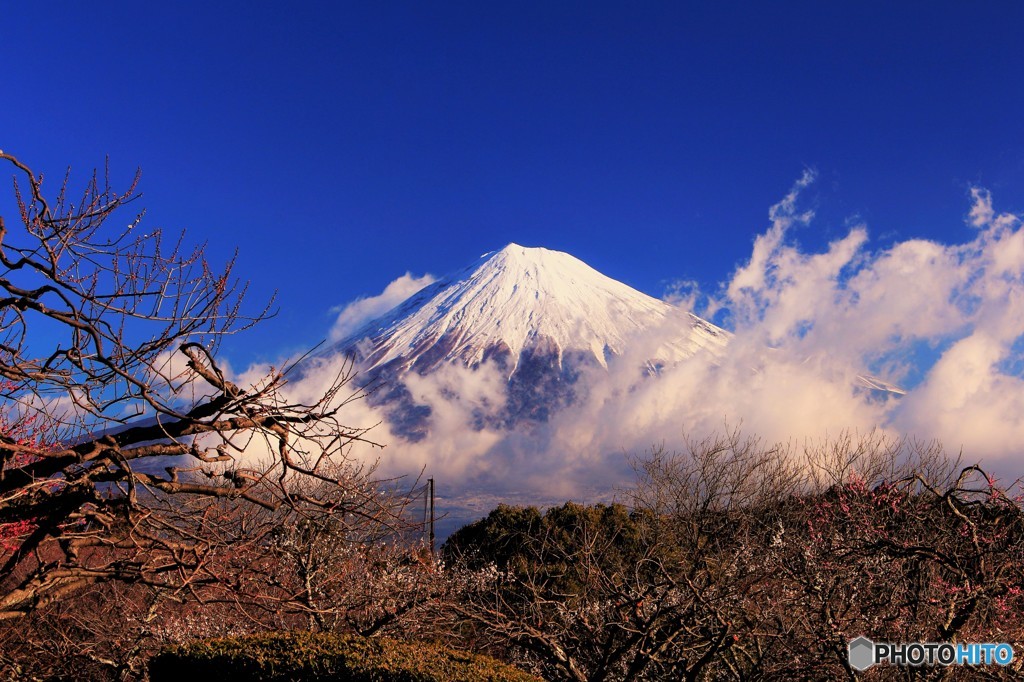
339, 145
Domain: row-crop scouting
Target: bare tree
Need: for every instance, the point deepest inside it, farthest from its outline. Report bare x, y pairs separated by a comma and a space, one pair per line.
741, 560
124, 437
660, 590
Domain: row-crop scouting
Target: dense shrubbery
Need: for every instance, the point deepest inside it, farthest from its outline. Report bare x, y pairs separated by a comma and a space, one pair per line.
284, 657
508, 538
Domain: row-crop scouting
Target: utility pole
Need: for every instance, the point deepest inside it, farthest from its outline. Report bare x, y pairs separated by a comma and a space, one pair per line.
431, 482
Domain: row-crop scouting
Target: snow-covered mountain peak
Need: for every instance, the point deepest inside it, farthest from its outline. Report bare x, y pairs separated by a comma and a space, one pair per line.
517, 299
514, 255
540, 317
536, 267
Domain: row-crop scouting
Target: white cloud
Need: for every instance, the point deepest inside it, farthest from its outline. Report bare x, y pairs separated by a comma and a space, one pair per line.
761, 267
357, 313
967, 402
981, 207
806, 325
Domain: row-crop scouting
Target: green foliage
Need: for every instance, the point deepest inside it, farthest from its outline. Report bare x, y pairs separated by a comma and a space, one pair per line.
497, 539
545, 550
308, 657
509, 534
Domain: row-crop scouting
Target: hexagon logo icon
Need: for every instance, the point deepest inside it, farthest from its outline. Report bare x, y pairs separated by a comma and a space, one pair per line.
861, 653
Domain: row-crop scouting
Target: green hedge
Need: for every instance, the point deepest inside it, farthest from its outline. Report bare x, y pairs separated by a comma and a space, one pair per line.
309, 657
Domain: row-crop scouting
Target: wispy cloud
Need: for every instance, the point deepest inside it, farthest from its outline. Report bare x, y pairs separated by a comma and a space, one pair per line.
355, 314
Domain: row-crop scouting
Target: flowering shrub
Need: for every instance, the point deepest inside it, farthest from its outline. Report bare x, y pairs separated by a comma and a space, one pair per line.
738, 561
153, 512
23, 438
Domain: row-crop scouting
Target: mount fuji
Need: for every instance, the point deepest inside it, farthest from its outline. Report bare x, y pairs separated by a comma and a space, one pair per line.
541, 317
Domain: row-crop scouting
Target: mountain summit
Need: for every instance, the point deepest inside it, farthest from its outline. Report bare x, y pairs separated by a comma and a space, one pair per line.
520, 300
539, 316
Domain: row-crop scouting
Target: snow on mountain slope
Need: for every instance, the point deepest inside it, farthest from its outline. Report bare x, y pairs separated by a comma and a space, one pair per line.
518, 300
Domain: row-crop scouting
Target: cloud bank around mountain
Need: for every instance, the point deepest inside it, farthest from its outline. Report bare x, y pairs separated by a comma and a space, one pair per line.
944, 321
